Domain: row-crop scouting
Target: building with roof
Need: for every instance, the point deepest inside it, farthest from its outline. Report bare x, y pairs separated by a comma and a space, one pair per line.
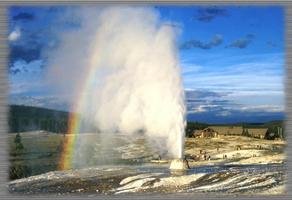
257, 132
205, 133
216, 131
228, 130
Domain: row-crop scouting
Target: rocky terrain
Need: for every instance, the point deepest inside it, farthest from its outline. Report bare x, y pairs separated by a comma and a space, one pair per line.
256, 179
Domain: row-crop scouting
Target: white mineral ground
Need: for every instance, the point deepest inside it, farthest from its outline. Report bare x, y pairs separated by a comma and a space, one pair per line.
123, 180
249, 170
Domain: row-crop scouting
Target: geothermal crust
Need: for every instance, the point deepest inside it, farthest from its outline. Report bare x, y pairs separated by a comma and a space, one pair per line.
179, 164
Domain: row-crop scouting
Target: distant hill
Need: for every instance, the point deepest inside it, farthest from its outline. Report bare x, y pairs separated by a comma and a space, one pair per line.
28, 118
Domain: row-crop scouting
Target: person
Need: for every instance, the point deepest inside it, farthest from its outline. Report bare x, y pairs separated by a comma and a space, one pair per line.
188, 166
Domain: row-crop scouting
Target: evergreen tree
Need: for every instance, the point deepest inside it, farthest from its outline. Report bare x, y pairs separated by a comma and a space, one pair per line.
18, 143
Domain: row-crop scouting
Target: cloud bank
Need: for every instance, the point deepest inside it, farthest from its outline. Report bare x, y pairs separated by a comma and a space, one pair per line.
23, 16
209, 13
242, 42
216, 41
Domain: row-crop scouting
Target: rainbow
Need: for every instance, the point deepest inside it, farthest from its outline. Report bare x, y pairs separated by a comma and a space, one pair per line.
67, 154
74, 121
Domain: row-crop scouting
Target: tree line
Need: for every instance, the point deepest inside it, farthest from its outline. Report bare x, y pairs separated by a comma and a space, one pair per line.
27, 118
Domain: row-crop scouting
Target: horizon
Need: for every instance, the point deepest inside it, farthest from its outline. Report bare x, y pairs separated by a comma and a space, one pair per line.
193, 121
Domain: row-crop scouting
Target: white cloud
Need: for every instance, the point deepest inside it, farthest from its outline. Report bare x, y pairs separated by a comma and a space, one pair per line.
34, 66
198, 109
224, 113
190, 68
262, 108
249, 83
14, 35
27, 77
201, 108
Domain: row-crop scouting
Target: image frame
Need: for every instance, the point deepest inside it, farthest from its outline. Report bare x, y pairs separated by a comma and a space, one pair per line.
4, 164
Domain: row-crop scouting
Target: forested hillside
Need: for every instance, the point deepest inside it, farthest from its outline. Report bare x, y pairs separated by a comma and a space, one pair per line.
26, 118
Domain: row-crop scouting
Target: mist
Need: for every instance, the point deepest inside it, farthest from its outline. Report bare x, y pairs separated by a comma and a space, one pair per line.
128, 58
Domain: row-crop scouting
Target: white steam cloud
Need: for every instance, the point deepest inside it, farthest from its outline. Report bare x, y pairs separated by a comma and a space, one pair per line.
136, 83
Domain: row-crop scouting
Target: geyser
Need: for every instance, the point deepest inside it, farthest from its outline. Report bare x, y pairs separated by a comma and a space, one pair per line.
127, 58
179, 164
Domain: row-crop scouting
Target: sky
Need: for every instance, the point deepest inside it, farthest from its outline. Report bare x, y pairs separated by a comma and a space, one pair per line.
232, 58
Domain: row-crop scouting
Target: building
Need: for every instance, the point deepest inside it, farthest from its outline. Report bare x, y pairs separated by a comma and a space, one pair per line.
205, 133
197, 133
228, 130
215, 131
257, 132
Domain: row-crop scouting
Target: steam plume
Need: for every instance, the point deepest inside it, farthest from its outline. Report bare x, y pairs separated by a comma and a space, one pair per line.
137, 83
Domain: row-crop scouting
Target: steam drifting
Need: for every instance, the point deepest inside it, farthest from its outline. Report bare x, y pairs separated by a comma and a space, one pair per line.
128, 59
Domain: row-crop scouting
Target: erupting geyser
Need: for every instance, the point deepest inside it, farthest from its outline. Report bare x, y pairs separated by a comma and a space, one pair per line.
127, 58
179, 164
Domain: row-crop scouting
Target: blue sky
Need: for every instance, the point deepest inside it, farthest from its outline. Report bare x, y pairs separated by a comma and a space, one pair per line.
232, 58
